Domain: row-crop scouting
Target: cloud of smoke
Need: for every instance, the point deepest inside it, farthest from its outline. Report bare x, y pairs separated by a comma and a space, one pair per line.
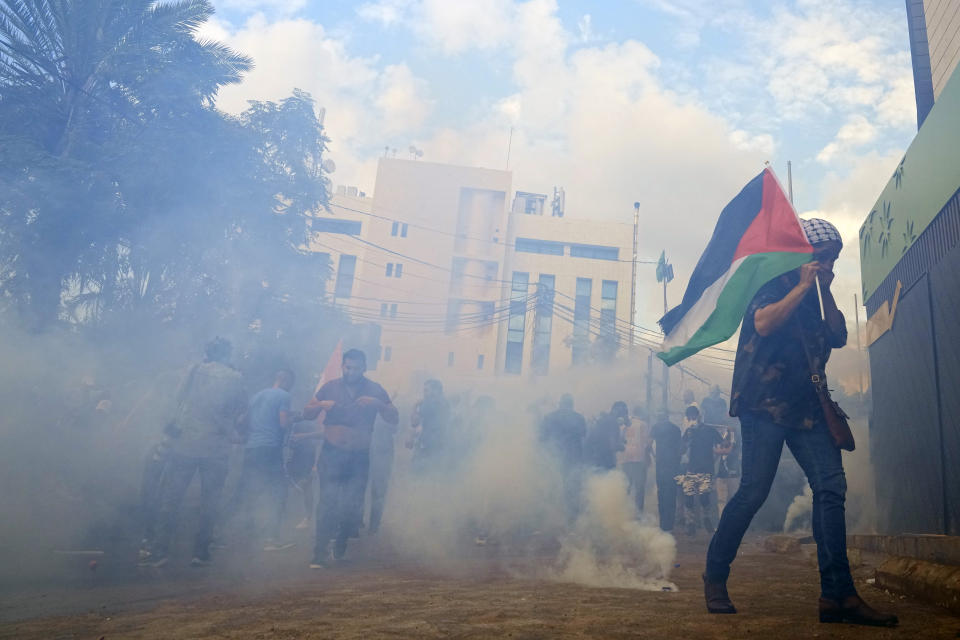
609, 547
506, 493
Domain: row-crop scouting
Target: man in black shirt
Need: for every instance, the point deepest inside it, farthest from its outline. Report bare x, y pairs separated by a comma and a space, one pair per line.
351, 404
562, 433
666, 442
702, 443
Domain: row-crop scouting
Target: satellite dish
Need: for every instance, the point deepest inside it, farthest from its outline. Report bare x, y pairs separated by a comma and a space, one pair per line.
328, 165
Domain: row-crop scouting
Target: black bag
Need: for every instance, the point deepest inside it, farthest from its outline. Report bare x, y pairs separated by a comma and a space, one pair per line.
836, 418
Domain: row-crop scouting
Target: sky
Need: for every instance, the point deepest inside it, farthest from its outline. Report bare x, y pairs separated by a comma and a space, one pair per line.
675, 104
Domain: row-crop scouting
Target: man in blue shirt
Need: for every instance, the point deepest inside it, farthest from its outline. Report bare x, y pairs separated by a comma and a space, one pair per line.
263, 481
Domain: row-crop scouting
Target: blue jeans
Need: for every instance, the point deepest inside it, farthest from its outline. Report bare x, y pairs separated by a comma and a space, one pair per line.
343, 485
820, 460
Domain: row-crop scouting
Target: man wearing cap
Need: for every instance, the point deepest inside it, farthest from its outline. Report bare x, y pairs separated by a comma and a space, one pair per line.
776, 402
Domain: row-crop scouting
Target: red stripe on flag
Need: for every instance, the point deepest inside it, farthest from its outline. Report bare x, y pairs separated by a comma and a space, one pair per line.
776, 227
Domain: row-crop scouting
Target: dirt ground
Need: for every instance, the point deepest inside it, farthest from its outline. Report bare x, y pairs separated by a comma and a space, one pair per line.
277, 597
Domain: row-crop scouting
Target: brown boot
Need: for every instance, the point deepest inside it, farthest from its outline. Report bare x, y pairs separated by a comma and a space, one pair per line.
718, 601
853, 610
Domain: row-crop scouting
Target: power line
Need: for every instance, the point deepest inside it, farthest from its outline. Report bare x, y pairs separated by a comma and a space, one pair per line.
504, 282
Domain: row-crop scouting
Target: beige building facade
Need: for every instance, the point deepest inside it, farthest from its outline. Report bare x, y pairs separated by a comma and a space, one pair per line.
467, 280
943, 38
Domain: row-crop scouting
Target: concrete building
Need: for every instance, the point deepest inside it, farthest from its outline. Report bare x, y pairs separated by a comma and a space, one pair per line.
934, 28
463, 286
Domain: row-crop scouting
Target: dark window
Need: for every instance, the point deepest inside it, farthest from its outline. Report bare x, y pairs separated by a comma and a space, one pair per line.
335, 225
345, 270
513, 362
581, 320
543, 324
389, 269
546, 247
608, 306
387, 354
395, 229
480, 361
398, 271
403, 230
450, 359
595, 251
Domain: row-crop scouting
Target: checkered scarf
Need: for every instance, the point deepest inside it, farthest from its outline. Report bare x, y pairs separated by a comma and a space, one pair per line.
818, 230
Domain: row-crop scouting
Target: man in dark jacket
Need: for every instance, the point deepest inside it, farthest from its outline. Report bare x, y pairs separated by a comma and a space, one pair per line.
606, 437
562, 433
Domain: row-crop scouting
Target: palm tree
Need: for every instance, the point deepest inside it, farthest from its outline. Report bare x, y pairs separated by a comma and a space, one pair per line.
81, 81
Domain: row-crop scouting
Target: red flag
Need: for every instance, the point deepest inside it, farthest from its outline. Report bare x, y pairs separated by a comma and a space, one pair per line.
334, 366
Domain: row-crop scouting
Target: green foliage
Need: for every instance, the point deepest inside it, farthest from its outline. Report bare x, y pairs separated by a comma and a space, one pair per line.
127, 199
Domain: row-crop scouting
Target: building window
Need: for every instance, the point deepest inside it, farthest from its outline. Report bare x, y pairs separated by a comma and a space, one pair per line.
398, 271
403, 230
480, 361
395, 229
581, 320
513, 360
336, 225
546, 247
608, 307
543, 324
387, 354
594, 251
345, 270
389, 271
393, 310
383, 309
450, 359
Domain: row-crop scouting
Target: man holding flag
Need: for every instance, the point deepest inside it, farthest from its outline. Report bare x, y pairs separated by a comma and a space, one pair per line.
771, 270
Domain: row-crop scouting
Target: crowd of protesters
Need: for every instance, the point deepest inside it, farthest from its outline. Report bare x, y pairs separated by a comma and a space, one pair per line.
335, 456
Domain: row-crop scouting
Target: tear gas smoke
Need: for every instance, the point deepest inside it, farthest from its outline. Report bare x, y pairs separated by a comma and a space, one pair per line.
609, 547
506, 492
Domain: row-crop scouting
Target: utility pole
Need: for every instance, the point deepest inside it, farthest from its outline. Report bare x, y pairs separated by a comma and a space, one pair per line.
650, 383
665, 275
633, 276
790, 181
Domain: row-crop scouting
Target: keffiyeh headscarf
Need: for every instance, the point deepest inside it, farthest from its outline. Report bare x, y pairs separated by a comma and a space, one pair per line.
818, 230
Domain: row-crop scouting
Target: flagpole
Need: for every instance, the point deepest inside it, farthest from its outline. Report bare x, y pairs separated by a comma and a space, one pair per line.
633, 275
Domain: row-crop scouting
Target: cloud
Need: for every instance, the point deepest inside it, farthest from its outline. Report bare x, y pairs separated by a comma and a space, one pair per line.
452, 27
857, 132
365, 102
401, 100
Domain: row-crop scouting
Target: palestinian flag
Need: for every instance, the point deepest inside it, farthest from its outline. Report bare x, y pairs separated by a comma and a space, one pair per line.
757, 238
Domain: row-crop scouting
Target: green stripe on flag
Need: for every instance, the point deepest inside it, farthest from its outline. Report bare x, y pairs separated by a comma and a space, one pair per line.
754, 272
